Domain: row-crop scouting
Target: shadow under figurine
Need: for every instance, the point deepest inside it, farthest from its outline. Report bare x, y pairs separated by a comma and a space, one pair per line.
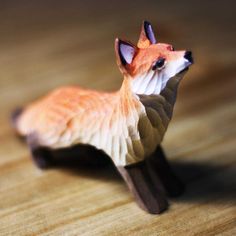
128, 125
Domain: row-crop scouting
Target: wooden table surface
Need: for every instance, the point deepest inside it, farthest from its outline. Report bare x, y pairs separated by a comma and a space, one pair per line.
44, 45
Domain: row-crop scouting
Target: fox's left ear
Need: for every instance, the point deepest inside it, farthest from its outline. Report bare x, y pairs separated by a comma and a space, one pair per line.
147, 36
125, 52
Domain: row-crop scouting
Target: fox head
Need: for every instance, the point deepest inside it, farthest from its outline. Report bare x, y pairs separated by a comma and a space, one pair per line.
149, 65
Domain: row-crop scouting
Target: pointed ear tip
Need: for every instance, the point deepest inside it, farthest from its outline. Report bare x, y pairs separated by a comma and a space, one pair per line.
117, 40
145, 22
117, 43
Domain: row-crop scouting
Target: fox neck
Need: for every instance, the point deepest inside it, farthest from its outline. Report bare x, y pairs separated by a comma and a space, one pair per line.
152, 85
151, 82
129, 101
149, 86
141, 122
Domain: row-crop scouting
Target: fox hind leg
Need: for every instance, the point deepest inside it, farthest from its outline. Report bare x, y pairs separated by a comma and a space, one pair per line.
42, 156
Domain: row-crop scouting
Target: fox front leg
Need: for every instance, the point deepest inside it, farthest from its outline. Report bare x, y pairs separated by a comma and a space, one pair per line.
151, 181
146, 189
159, 165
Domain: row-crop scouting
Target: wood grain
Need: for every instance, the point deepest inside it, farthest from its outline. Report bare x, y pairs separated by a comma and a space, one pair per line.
45, 45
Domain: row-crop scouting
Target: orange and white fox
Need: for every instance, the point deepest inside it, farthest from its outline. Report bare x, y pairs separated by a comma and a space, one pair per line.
127, 124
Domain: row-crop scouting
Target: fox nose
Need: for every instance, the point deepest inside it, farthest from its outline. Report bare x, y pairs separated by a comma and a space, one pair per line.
188, 56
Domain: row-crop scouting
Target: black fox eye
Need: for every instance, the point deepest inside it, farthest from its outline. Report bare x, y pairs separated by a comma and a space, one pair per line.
159, 64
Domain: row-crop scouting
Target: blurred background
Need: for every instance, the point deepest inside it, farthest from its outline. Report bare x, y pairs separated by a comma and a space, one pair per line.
46, 44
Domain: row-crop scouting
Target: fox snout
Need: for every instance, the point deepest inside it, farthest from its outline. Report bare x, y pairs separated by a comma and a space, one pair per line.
188, 56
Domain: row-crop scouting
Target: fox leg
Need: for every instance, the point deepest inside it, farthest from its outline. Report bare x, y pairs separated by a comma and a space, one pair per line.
148, 191
41, 156
160, 167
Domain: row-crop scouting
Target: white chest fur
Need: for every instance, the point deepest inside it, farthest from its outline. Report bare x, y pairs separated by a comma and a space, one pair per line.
141, 136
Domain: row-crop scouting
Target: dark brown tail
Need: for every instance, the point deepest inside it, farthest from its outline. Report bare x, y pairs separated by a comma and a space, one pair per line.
15, 116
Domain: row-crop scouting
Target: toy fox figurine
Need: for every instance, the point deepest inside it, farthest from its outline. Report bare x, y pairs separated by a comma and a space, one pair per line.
128, 125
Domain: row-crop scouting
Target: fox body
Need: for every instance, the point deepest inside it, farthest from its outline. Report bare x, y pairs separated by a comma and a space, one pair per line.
127, 124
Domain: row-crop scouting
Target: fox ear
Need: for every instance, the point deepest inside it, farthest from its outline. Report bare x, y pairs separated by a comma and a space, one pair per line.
147, 36
125, 52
